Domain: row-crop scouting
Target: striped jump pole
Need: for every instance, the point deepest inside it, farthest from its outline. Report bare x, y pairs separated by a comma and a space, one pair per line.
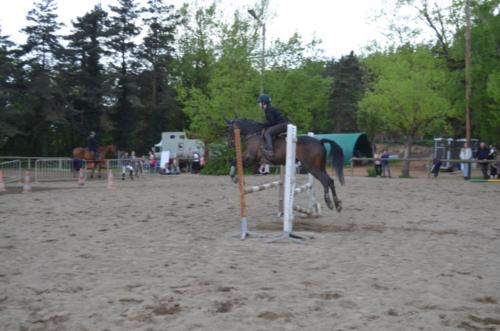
262, 187
241, 185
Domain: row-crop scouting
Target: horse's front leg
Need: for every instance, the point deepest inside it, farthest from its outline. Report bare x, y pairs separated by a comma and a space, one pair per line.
246, 161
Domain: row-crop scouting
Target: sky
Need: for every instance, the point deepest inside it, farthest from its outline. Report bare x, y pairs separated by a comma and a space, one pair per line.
342, 25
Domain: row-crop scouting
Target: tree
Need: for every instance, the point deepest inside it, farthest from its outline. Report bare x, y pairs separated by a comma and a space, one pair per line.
485, 63
84, 74
10, 117
407, 94
197, 48
45, 113
232, 84
123, 29
161, 110
346, 91
301, 93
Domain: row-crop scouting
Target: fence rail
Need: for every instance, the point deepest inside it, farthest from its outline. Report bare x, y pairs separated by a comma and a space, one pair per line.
429, 161
54, 169
11, 171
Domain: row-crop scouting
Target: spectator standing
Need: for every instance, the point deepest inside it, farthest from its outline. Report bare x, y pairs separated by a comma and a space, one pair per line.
482, 155
127, 166
436, 166
195, 163
386, 170
493, 165
378, 164
465, 154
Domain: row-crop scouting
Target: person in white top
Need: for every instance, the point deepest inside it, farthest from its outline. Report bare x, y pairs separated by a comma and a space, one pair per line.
465, 154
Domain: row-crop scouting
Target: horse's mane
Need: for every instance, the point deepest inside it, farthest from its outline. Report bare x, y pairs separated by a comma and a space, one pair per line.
247, 126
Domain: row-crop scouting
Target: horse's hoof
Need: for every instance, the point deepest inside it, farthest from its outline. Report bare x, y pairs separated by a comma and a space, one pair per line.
329, 204
234, 179
338, 206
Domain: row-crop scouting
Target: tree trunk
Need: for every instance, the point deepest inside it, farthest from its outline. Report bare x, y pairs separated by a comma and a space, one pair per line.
407, 153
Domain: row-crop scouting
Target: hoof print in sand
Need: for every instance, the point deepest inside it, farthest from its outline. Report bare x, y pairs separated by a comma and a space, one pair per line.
223, 307
165, 309
272, 316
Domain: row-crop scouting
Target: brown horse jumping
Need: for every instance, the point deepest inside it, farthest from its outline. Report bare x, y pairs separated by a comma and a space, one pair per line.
81, 153
309, 151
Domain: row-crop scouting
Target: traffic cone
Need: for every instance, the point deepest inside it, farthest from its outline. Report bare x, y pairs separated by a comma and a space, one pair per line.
27, 182
81, 178
2, 184
111, 183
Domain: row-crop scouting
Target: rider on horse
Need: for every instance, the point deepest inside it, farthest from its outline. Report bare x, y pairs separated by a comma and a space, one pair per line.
276, 123
92, 144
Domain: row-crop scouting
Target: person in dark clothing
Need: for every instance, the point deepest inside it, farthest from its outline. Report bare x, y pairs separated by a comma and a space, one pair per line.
493, 165
92, 144
482, 155
436, 166
275, 124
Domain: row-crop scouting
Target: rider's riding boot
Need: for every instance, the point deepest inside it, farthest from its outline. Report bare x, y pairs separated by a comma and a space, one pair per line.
269, 142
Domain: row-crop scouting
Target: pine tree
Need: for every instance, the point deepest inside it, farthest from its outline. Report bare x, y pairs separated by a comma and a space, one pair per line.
346, 91
85, 73
41, 53
123, 30
161, 111
9, 114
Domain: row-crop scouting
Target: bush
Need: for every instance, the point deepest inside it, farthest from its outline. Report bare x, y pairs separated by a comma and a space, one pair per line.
219, 161
371, 172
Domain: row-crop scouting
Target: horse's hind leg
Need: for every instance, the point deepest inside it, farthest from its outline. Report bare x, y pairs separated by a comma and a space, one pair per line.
328, 185
336, 200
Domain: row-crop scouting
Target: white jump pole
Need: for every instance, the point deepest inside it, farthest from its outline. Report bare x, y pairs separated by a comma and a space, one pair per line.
289, 187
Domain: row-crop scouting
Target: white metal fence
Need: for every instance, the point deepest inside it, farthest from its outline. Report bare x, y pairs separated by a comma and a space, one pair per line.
11, 171
55, 169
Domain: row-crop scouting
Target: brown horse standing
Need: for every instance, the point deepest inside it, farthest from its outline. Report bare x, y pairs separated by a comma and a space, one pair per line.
309, 151
84, 154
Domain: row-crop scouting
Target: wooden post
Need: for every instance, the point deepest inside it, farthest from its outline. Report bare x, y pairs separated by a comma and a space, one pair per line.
241, 184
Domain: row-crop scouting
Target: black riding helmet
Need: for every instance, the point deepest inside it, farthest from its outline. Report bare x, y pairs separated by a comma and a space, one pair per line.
264, 99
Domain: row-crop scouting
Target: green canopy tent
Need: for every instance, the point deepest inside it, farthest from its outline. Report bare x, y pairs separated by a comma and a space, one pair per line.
353, 144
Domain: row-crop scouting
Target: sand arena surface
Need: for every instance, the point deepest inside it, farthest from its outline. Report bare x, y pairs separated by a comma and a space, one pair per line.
159, 254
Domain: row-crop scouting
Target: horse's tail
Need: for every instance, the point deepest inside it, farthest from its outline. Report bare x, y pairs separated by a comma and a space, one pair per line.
337, 158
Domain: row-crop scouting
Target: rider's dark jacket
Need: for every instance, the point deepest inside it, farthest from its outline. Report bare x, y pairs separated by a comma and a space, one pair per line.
92, 144
274, 116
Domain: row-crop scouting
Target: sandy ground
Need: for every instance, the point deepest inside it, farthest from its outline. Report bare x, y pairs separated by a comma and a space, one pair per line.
159, 254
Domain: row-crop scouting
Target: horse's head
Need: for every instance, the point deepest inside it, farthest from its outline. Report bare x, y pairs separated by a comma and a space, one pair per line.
247, 127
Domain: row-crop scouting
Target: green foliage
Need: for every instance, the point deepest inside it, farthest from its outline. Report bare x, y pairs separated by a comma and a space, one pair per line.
219, 161
485, 102
129, 90
347, 90
301, 93
123, 30
407, 93
371, 172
